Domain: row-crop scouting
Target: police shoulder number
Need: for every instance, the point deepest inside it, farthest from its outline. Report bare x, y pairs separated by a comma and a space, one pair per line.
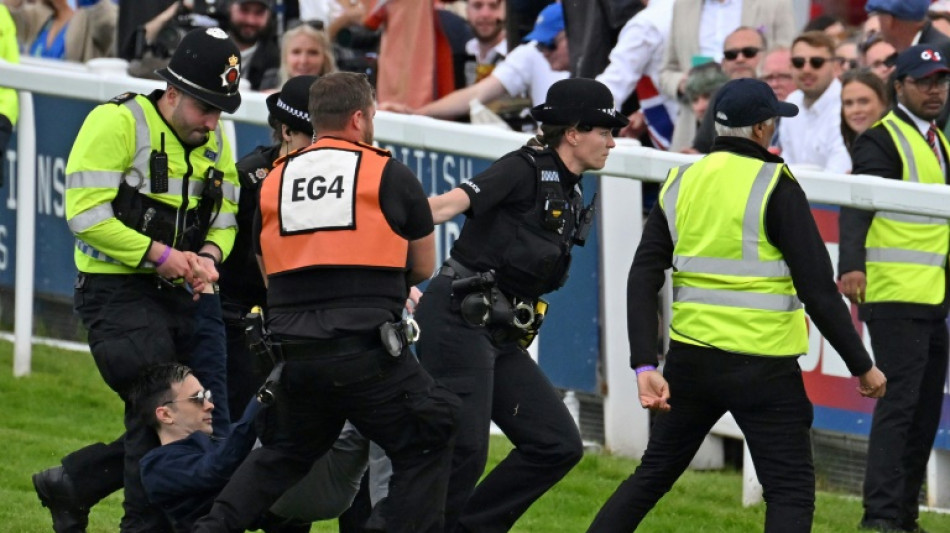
318, 191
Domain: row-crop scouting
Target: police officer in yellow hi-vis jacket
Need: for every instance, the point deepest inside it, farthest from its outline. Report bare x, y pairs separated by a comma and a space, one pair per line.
894, 265
737, 231
151, 196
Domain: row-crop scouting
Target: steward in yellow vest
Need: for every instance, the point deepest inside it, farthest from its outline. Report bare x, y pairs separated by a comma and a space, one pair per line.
737, 231
894, 267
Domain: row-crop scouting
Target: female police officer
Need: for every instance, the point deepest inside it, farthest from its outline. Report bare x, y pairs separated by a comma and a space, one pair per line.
524, 214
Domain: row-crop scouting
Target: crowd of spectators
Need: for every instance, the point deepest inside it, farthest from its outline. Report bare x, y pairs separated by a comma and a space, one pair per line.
461, 54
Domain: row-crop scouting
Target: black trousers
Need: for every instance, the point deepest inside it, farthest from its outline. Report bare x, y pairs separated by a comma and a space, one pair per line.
245, 375
767, 398
392, 401
913, 356
499, 383
133, 322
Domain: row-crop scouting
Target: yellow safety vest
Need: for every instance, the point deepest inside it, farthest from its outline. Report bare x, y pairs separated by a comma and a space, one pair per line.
9, 52
907, 254
114, 144
732, 289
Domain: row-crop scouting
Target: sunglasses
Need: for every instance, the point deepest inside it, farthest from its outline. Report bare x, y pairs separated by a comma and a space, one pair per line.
747, 52
199, 398
815, 62
930, 83
844, 61
551, 46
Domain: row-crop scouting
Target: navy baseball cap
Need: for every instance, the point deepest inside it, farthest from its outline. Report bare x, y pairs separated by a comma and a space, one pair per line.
549, 23
920, 61
748, 101
915, 10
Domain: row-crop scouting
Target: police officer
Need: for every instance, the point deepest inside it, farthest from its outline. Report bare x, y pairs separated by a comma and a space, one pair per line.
524, 214
344, 231
151, 194
894, 266
737, 231
241, 283
9, 104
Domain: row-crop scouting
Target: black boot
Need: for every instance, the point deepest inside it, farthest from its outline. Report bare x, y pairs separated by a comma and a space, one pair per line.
56, 492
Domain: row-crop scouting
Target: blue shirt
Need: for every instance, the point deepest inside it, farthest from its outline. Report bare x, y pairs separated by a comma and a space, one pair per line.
56, 50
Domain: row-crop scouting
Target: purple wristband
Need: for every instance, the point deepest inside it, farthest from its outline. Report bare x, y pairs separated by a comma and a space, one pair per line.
646, 368
164, 257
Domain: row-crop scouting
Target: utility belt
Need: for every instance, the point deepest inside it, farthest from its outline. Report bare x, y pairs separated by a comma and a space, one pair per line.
392, 337
159, 221
481, 303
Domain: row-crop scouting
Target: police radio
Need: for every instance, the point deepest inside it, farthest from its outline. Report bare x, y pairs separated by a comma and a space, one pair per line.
158, 169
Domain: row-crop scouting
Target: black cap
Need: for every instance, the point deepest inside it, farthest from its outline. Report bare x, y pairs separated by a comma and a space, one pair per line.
207, 66
919, 62
579, 101
290, 105
748, 101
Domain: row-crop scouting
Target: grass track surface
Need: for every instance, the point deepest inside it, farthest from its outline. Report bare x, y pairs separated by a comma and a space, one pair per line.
64, 405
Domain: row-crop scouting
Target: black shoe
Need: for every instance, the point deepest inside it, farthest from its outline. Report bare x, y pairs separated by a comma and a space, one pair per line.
56, 492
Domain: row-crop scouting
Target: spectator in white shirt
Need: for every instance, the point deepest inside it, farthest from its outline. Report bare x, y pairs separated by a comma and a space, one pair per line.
636, 58
813, 138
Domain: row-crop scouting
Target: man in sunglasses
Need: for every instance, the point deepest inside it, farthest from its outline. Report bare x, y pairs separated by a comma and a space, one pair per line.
813, 138
188, 409
903, 24
894, 267
742, 53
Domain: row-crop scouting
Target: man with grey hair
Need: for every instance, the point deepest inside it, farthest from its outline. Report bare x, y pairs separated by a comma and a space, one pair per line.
738, 322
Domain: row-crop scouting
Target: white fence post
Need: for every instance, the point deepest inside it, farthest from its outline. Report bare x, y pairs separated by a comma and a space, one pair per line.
25, 237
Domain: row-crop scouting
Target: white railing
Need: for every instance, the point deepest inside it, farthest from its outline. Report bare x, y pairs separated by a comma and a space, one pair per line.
626, 425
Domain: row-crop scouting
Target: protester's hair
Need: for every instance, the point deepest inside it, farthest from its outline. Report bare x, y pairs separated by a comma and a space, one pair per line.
329, 63
765, 41
739, 131
335, 97
870, 79
153, 387
817, 39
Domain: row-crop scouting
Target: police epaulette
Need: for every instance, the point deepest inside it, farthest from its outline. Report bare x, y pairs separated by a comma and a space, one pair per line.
380, 151
122, 98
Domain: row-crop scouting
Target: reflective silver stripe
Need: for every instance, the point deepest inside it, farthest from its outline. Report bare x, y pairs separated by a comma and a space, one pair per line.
217, 135
230, 191
90, 217
906, 217
905, 146
669, 201
898, 255
224, 220
748, 300
730, 267
93, 253
93, 179
143, 141
753, 207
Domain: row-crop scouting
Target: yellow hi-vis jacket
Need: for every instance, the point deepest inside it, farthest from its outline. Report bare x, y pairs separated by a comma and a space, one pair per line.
9, 52
114, 144
907, 254
732, 289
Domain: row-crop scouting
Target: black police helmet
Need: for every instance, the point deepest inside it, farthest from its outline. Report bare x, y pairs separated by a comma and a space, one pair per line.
207, 66
579, 101
290, 105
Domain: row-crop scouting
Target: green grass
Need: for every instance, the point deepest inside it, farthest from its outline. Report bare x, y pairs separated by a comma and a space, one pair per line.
64, 405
